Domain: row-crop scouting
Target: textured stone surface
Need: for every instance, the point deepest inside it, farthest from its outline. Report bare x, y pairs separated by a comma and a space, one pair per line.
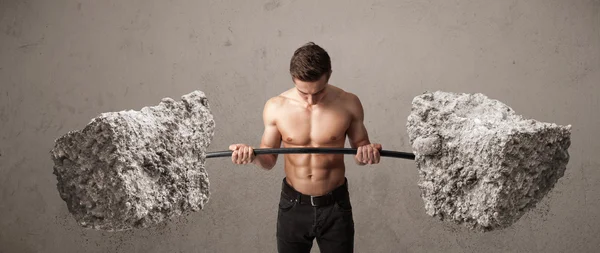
134, 169
481, 164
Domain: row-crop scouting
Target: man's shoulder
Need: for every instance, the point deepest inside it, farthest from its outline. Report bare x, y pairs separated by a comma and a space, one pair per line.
276, 101
275, 104
347, 97
280, 99
343, 94
350, 101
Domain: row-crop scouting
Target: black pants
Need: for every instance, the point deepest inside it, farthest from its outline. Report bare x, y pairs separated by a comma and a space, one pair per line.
299, 221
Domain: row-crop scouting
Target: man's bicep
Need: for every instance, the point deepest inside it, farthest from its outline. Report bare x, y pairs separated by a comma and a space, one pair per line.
357, 132
271, 136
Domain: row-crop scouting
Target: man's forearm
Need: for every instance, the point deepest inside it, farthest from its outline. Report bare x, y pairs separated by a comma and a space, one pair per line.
266, 161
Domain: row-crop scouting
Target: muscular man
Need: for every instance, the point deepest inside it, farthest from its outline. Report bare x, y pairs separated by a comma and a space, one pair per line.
314, 199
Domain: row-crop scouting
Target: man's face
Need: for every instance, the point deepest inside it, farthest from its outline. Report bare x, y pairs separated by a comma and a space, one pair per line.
312, 92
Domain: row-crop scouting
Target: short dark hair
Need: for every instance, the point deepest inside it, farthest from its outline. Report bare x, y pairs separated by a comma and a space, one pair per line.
310, 62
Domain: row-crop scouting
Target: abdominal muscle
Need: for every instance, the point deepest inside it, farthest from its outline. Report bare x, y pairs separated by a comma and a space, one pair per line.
314, 174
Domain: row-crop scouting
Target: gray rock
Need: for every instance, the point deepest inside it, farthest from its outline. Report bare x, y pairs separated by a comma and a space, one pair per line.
133, 169
488, 166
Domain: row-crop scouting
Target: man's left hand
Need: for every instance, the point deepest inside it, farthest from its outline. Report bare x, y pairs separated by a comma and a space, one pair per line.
368, 154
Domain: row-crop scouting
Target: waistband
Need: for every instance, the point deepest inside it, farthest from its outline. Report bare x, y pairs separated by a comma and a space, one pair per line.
341, 192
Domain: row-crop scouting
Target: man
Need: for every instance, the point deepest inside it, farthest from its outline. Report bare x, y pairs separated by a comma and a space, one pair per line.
314, 199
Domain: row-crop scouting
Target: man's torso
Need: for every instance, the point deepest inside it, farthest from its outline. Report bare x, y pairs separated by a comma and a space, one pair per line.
322, 125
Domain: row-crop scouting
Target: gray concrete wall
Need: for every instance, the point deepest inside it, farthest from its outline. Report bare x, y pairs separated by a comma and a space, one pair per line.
64, 62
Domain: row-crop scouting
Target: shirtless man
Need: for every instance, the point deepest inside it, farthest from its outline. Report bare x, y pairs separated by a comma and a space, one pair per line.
314, 201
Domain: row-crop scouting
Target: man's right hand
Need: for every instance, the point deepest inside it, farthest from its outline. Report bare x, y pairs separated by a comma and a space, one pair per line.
242, 154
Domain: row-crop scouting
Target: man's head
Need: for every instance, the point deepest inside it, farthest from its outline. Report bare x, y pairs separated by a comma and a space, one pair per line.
310, 68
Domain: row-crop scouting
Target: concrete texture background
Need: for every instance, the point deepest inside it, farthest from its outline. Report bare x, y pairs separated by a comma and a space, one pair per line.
64, 62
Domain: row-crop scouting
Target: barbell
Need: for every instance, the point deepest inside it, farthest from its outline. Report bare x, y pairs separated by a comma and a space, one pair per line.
479, 163
346, 151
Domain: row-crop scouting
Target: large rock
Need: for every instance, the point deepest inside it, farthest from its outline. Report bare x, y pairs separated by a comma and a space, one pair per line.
479, 163
134, 169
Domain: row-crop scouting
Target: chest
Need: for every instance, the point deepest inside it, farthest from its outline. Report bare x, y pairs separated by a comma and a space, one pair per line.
314, 127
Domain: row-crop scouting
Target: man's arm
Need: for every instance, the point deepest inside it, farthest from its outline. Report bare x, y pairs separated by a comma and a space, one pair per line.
358, 136
271, 137
357, 132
